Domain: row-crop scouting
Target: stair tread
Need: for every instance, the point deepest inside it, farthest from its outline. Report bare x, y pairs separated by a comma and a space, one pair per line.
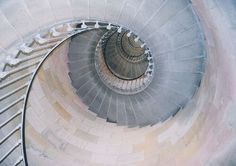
121, 113
112, 113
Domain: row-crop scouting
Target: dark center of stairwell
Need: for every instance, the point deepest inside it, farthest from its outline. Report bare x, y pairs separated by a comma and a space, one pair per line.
124, 56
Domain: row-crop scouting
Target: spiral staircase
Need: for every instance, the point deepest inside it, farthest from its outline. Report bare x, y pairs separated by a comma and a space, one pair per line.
86, 82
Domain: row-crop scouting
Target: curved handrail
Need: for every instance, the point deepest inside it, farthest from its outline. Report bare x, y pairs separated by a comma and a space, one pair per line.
31, 83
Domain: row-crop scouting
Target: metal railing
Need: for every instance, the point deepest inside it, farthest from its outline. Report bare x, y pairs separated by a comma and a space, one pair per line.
116, 84
37, 51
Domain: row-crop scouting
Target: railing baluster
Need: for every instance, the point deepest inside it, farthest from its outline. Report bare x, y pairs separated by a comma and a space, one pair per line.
18, 161
15, 80
10, 134
14, 91
11, 118
12, 104
10, 151
5, 74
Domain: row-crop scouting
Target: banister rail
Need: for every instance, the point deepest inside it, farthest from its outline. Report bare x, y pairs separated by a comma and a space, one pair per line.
49, 44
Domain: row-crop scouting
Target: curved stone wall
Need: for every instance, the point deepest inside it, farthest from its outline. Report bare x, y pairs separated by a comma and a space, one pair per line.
202, 134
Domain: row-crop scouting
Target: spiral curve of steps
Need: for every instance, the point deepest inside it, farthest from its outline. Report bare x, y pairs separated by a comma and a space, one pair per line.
192, 89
